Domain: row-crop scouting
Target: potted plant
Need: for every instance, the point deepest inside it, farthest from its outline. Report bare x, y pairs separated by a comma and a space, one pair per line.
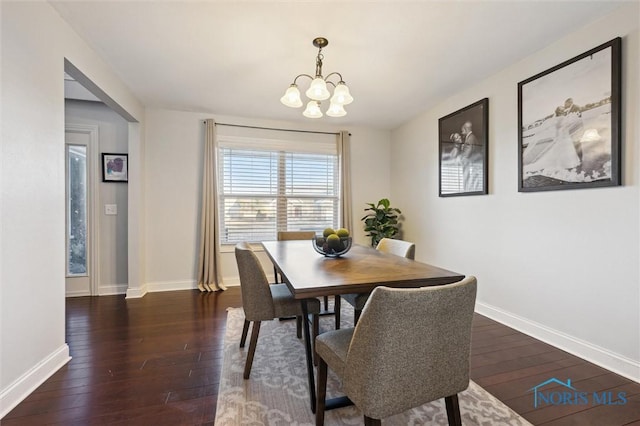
381, 221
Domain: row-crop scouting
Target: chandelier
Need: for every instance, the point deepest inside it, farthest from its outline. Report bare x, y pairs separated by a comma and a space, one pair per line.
318, 91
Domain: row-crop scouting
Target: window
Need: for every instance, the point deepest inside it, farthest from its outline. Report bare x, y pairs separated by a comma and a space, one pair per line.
457, 178
451, 177
266, 186
76, 210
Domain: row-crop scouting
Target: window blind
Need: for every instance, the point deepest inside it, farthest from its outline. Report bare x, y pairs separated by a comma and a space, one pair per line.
455, 180
268, 186
451, 178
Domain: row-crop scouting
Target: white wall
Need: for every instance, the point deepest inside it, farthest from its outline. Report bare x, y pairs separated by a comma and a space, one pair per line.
35, 41
560, 265
175, 142
112, 138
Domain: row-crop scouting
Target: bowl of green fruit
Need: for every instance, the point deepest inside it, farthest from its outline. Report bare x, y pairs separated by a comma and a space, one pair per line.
332, 243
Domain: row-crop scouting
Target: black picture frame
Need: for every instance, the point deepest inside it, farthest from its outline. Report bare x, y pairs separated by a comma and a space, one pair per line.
569, 123
463, 151
115, 167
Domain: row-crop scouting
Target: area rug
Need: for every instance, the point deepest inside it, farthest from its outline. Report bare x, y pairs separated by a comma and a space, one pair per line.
277, 392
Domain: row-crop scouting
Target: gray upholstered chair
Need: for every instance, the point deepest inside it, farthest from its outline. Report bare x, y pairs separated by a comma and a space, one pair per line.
296, 235
387, 245
410, 347
264, 302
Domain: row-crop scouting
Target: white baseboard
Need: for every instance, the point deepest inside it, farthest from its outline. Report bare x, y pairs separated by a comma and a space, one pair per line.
185, 285
172, 285
13, 394
111, 289
77, 293
231, 281
103, 290
136, 292
602, 357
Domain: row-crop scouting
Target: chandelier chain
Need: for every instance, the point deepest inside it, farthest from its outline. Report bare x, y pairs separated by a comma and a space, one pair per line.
319, 59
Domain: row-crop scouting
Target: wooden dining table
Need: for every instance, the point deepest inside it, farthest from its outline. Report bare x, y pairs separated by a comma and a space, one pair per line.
309, 274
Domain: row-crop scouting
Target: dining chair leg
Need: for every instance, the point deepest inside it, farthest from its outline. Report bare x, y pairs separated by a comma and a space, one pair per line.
453, 410
356, 316
245, 330
252, 348
315, 333
322, 392
275, 274
368, 421
308, 351
299, 327
326, 303
337, 310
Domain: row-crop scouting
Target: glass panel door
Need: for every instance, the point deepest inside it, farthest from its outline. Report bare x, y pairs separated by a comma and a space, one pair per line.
77, 210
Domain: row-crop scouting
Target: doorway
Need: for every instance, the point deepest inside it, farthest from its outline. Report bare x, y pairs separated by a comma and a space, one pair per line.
81, 233
114, 268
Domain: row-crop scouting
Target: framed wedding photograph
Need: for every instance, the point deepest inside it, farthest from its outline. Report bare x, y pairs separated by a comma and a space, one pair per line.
569, 123
115, 167
463, 151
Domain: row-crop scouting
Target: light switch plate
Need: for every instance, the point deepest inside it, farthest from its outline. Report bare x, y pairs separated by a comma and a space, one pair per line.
111, 209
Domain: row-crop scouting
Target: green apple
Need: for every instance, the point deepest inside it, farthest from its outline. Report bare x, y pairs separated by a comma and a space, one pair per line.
328, 232
333, 241
342, 233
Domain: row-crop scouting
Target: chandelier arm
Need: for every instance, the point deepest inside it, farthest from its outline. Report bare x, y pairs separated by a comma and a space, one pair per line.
301, 75
336, 73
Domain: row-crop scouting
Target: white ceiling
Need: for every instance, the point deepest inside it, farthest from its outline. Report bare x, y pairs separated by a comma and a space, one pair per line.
236, 58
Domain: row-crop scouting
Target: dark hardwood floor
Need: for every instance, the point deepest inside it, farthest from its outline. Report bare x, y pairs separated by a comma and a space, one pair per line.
157, 361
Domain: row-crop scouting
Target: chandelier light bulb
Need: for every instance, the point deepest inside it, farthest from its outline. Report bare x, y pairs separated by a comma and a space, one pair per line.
291, 97
312, 110
336, 110
318, 90
341, 95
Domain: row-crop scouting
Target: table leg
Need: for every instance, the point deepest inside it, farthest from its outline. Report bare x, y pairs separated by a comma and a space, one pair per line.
307, 348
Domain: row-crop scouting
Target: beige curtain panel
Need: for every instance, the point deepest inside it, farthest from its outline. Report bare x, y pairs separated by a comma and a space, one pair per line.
344, 156
209, 277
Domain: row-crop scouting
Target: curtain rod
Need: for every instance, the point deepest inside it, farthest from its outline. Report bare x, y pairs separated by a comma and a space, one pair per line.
275, 128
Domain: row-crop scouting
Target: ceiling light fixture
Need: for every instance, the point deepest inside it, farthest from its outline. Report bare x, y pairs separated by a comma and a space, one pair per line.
318, 91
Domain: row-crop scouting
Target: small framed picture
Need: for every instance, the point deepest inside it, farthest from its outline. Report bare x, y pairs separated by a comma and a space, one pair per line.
464, 153
569, 123
115, 167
